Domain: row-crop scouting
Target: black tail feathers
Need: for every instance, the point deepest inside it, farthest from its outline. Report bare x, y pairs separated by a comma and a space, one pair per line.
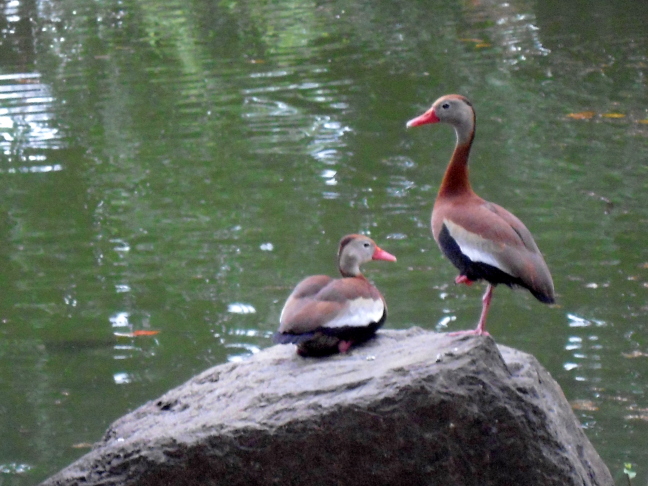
289, 338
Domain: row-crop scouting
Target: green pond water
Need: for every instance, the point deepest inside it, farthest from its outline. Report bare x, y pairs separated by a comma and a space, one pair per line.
179, 166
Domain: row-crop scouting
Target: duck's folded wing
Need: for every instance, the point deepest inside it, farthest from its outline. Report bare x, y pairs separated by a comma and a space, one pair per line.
341, 303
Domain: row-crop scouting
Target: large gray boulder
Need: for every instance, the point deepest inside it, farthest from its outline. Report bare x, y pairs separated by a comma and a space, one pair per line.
409, 407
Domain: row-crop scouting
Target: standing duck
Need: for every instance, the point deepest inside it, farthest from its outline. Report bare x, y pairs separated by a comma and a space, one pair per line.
483, 240
324, 316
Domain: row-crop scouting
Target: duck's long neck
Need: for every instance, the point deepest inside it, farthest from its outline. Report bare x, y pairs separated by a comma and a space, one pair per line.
353, 272
455, 180
349, 266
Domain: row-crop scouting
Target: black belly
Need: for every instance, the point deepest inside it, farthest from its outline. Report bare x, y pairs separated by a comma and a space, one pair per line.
474, 270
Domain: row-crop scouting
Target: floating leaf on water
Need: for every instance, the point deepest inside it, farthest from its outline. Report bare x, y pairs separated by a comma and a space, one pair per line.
645, 122
587, 405
481, 45
627, 470
583, 115
613, 115
145, 333
82, 445
136, 333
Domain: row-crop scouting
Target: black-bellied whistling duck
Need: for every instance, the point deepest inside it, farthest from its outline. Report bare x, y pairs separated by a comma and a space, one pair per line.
483, 240
324, 316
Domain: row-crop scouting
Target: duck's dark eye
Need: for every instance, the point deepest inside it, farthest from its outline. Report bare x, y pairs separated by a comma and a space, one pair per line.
366, 245
445, 106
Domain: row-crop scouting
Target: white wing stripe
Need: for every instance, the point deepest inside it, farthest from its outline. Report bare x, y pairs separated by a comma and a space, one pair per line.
360, 312
475, 247
477, 256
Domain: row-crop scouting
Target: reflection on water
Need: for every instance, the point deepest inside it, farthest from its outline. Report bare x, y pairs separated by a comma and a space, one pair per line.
585, 350
241, 308
122, 378
14, 468
27, 124
170, 171
510, 27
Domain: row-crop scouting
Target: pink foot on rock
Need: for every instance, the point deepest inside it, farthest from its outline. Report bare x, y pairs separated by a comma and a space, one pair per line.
343, 346
471, 332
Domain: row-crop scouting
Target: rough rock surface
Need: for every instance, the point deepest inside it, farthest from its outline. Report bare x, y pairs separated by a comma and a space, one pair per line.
408, 408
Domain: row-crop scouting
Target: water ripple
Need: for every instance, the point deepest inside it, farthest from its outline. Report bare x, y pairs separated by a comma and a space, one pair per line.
27, 126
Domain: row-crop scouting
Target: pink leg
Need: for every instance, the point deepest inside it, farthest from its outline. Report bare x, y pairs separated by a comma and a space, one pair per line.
481, 325
343, 346
486, 300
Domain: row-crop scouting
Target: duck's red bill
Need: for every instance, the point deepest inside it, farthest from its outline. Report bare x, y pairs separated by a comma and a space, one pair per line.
428, 117
383, 255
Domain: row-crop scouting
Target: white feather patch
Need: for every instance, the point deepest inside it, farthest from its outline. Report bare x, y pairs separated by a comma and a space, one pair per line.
360, 312
475, 247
